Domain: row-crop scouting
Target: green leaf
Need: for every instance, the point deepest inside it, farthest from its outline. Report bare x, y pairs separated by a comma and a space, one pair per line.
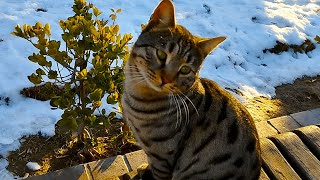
39, 71
71, 123
119, 11
96, 11
35, 79
38, 25
26, 30
103, 111
112, 115
54, 102
92, 118
97, 104
52, 74
47, 29
116, 29
42, 61
111, 99
33, 58
317, 38
82, 74
96, 95
113, 17
67, 86
18, 31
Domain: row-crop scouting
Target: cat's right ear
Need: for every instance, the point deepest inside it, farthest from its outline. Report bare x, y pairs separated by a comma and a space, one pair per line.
163, 16
207, 45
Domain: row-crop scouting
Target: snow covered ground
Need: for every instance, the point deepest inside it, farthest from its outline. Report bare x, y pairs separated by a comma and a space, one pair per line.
239, 63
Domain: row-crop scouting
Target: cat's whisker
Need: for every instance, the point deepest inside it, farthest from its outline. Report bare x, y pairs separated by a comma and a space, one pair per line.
175, 102
171, 98
132, 69
135, 79
170, 104
131, 66
134, 73
178, 111
139, 79
189, 101
186, 108
136, 76
138, 83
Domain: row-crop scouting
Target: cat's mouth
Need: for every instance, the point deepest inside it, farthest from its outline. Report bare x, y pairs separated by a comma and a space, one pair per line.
141, 78
159, 84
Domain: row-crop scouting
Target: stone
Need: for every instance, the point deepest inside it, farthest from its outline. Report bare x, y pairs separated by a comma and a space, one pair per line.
33, 166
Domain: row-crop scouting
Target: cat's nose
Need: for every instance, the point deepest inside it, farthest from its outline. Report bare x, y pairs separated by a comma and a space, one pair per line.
165, 79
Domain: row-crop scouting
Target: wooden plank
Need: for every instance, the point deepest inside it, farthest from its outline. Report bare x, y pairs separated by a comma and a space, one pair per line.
310, 135
284, 123
135, 159
263, 175
109, 168
275, 163
78, 172
306, 118
298, 155
265, 129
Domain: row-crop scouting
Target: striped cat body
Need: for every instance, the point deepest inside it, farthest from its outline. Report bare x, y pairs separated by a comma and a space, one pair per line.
189, 127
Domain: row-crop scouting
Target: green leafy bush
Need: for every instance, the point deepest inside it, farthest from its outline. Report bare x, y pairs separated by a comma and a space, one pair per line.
89, 66
317, 38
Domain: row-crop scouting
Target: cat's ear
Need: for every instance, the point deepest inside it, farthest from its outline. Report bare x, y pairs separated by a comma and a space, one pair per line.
163, 16
207, 45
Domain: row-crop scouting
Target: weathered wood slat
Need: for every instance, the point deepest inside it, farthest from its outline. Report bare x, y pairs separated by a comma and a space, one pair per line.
284, 124
263, 175
265, 129
275, 163
310, 135
298, 155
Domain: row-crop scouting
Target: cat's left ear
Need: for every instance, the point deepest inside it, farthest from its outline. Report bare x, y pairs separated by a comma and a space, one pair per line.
163, 16
207, 45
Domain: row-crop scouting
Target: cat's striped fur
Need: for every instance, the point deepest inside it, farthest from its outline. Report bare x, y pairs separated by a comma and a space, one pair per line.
189, 127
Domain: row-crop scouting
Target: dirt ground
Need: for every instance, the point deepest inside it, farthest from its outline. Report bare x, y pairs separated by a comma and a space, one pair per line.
303, 94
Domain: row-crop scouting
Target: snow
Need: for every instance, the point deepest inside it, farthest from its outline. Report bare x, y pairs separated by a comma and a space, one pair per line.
239, 63
33, 166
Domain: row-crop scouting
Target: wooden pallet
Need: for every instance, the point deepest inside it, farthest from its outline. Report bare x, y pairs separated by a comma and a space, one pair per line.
286, 156
288, 153
292, 155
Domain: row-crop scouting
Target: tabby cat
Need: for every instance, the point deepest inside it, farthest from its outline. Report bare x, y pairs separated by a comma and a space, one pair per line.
189, 127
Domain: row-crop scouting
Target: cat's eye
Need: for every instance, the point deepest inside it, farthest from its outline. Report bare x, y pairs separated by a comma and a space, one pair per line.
161, 55
185, 70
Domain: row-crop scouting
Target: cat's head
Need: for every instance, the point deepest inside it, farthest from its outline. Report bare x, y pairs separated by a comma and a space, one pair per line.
166, 57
